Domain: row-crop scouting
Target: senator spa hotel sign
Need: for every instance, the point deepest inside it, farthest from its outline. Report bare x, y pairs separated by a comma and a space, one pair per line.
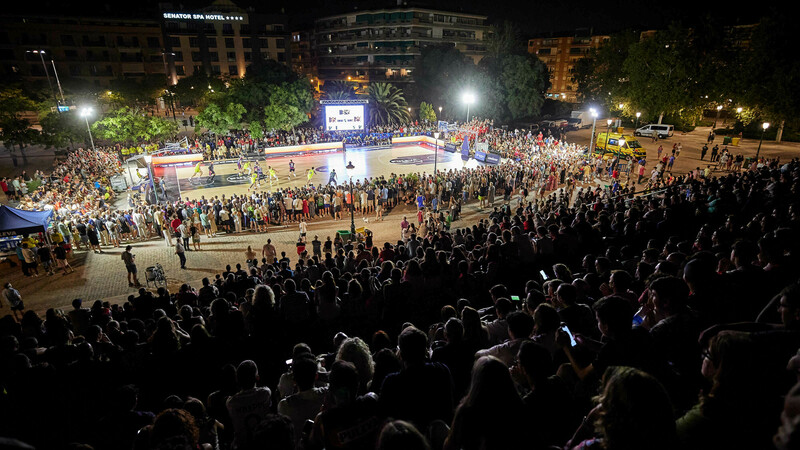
196, 16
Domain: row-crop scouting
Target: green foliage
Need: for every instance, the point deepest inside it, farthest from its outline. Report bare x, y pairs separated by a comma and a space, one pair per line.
193, 90
387, 105
524, 80
256, 130
288, 105
221, 119
340, 90
133, 126
137, 92
600, 76
769, 74
15, 129
438, 67
426, 112
62, 129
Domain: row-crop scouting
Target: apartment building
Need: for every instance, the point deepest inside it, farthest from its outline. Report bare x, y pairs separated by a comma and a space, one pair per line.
560, 55
222, 39
383, 45
96, 50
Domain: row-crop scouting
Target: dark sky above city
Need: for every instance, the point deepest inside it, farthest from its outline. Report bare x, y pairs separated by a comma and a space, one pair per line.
532, 16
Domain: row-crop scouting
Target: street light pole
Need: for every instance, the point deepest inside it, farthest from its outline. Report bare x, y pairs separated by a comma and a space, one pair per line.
148, 159
594, 124
436, 152
608, 132
764, 127
638, 114
167, 79
352, 204
46, 73
58, 82
85, 112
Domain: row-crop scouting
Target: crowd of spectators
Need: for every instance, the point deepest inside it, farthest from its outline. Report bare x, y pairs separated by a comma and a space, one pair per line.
576, 321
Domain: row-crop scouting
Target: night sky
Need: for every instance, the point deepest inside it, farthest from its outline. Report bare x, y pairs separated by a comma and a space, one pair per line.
533, 17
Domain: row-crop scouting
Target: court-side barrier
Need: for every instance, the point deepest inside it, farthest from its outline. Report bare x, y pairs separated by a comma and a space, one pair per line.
290, 150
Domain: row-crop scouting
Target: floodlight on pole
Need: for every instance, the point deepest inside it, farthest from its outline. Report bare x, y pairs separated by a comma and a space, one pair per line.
638, 114
594, 124
85, 112
608, 132
764, 127
468, 98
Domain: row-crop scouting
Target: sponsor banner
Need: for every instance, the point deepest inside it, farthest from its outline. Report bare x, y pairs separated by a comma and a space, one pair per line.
448, 147
492, 158
480, 156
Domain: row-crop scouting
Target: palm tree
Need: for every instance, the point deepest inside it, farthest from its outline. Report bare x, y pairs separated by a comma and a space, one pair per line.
340, 90
387, 105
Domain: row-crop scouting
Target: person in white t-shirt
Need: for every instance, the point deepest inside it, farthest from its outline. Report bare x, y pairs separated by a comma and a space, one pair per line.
305, 404
248, 407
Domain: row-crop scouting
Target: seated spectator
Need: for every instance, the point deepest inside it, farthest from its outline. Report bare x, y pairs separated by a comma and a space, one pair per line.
492, 414
457, 355
249, 406
349, 421
550, 405
633, 412
401, 435
520, 327
578, 317
498, 328
422, 391
736, 411
306, 403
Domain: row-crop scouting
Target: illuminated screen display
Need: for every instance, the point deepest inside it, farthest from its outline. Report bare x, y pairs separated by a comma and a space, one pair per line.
344, 117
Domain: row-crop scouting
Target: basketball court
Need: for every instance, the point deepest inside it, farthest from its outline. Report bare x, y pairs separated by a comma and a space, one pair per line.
368, 162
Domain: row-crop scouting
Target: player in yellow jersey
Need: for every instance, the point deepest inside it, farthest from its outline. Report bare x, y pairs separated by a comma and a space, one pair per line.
310, 174
197, 170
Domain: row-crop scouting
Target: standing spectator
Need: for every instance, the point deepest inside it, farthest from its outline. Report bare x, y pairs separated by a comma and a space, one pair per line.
30, 259
60, 252
181, 252
14, 300
130, 264
46, 257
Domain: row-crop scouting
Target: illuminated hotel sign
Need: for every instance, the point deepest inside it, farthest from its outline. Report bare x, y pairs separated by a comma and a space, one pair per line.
193, 16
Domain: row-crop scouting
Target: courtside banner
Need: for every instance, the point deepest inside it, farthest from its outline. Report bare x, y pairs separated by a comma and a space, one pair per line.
448, 147
492, 158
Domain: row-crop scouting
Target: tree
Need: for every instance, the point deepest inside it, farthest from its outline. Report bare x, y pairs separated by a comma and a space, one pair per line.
192, 90
599, 76
769, 76
288, 105
14, 128
387, 105
339, 90
525, 80
60, 129
427, 113
221, 119
137, 92
437, 68
662, 75
132, 126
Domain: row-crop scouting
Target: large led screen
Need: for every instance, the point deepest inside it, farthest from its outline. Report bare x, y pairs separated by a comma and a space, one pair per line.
344, 117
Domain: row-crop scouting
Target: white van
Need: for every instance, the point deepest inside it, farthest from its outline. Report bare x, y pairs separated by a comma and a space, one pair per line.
664, 131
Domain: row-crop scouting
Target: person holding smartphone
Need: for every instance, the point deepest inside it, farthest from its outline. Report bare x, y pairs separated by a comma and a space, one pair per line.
622, 345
